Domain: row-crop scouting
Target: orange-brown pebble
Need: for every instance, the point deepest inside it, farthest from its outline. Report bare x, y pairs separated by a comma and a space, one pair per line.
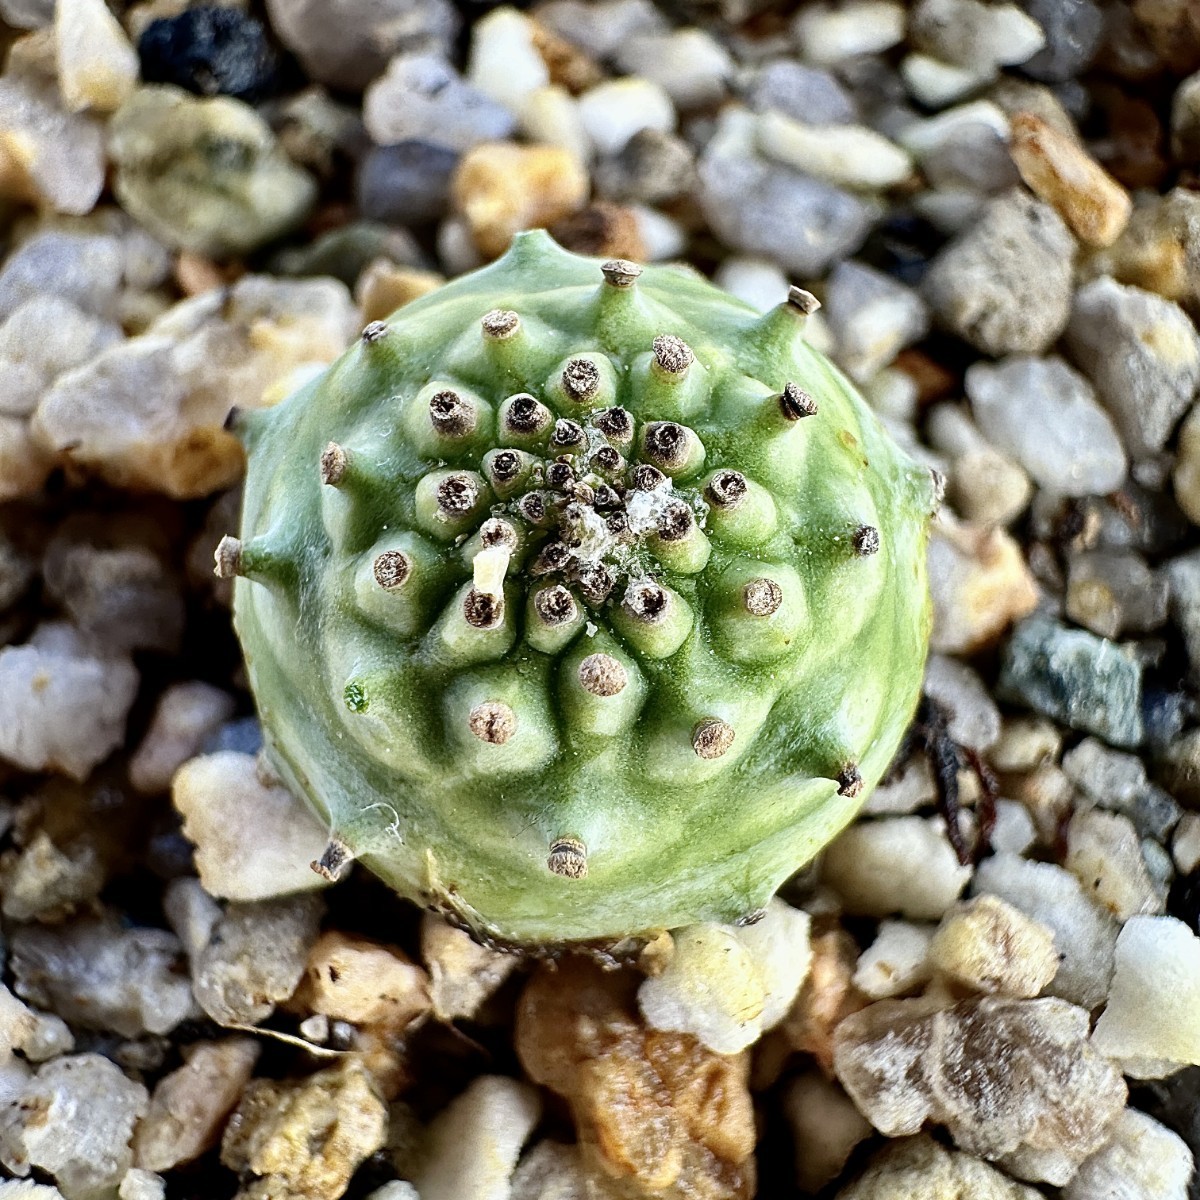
502, 188
657, 1111
827, 997
1061, 172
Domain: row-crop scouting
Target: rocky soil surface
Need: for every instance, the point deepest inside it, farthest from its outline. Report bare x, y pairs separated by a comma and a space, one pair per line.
998, 205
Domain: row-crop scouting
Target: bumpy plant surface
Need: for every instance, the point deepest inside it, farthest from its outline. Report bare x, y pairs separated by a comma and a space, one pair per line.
581, 600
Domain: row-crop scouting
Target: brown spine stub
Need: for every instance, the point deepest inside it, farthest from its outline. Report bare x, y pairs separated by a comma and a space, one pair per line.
227, 558
726, 489
525, 415
532, 507
672, 354
667, 444
373, 331
595, 580
392, 570
762, 597
616, 424
646, 478
620, 272
555, 605
602, 675
795, 403
675, 522
804, 302
333, 860
457, 494
500, 323
334, 464
580, 380
568, 858
451, 415
849, 781
552, 557
646, 601
605, 498
496, 531
482, 610
567, 434
493, 722
560, 476
712, 737
505, 466
866, 540
608, 459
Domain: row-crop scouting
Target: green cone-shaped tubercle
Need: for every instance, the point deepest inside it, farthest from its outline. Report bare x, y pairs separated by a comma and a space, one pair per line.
579, 599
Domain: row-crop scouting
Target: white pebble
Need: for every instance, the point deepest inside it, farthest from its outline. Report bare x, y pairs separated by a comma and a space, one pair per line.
97, 66
895, 962
757, 281
1151, 1024
504, 63
728, 985
48, 156
924, 137
186, 716
690, 64
1185, 846
475, 1142
872, 318
1142, 1161
1047, 417
1084, 935
141, 1185
827, 35
1014, 831
663, 236
1105, 855
935, 84
253, 840
62, 702
973, 34
74, 1120
895, 865
612, 112
974, 719
848, 155
551, 116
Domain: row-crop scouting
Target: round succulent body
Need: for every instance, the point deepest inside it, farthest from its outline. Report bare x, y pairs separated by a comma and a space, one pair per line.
581, 600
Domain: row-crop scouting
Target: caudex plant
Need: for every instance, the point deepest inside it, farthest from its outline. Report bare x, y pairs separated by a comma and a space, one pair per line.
581, 600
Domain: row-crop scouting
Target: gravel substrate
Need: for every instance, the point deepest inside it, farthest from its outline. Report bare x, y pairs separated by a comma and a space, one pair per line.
998, 205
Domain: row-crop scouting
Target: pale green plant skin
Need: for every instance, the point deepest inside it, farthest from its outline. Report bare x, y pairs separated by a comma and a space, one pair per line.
715, 680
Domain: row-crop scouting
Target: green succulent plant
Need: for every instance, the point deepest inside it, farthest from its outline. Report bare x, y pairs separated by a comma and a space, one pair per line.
581, 600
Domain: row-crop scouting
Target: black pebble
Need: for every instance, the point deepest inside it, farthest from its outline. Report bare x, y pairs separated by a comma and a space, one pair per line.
211, 51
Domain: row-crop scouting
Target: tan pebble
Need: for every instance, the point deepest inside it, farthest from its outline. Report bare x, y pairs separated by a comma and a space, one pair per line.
384, 287
568, 65
305, 1138
190, 1105
502, 188
980, 585
827, 997
1060, 172
658, 1109
1187, 468
988, 945
350, 978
